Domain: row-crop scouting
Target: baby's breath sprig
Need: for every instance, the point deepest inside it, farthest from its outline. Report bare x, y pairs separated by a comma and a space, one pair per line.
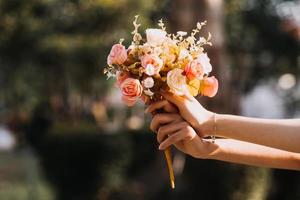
204, 41
161, 25
121, 41
110, 71
200, 24
136, 35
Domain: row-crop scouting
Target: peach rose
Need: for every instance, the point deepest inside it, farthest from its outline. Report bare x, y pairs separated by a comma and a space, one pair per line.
117, 55
177, 82
152, 64
131, 91
209, 86
194, 70
121, 76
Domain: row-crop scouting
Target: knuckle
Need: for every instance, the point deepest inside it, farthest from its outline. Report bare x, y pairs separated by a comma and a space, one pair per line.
170, 140
185, 124
154, 122
161, 130
185, 129
189, 129
158, 138
160, 134
189, 136
152, 126
186, 134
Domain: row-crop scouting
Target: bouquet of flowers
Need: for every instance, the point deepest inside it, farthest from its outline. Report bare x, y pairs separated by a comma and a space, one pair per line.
162, 62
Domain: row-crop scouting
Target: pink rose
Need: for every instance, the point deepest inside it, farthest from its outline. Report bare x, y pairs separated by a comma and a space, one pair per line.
121, 76
131, 91
117, 55
152, 64
194, 70
209, 86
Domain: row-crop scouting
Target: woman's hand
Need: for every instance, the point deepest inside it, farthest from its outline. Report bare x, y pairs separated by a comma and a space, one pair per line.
173, 130
190, 110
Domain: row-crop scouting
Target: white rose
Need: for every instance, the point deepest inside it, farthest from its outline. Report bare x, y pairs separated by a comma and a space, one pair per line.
148, 82
204, 61
150, 70
155, 37
177, 82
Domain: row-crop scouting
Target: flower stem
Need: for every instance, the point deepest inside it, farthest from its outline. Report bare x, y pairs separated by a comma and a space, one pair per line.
170, 166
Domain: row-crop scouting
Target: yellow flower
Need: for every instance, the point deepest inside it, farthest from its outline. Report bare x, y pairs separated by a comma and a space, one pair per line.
193, 87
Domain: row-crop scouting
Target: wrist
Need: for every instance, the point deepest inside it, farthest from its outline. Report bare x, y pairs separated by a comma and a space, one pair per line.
222, 122
208, 127
207, 150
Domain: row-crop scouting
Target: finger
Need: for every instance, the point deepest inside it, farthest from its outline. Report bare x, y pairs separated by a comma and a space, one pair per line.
163, 118
174, 99
169, 129
177, 100
188, 96
163, 104
176, 137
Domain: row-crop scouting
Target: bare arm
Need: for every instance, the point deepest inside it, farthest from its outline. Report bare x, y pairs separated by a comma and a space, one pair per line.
282, 134
171, 129
252, 154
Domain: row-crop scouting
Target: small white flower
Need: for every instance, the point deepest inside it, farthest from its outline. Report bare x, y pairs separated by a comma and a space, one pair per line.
181, 33
150, 70
205, 63
190, 40
148, 82
183, 54
148, 92
155, 37
201, 40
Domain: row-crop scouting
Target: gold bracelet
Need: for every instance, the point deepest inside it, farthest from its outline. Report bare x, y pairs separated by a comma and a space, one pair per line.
213, 137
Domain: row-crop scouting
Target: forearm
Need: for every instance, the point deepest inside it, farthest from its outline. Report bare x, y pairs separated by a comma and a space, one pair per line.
283, 134
252, 154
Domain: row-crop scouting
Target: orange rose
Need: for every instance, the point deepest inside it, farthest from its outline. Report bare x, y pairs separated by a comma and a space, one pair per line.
152, 64
194, 70
117, 55
209, 86
131, 91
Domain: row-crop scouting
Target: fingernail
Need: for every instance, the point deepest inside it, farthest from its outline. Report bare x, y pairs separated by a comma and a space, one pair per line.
160, 147
146, 110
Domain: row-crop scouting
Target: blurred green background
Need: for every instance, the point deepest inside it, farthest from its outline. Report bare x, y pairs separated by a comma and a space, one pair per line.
65, 134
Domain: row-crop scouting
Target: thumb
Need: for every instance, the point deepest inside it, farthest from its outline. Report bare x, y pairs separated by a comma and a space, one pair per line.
176, 100
188, 96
